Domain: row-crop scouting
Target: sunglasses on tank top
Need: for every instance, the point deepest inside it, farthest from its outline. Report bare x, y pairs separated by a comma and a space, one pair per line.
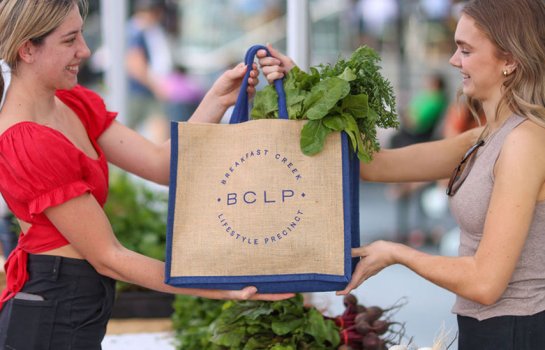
461, 171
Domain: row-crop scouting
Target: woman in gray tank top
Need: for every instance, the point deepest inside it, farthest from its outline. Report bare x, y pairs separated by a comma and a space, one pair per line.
497, 191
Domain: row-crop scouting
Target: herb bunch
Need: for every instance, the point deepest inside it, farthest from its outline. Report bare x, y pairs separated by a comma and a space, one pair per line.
350, 96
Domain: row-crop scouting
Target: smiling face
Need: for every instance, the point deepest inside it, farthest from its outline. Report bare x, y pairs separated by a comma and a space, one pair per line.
477, 59
57, 59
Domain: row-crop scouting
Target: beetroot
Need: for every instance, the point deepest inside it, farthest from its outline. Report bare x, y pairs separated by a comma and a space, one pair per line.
380, 326
351, 338
360, 308
363, 327
369, 328
350, 299
345, 321
360, 317
373, 313
371, 341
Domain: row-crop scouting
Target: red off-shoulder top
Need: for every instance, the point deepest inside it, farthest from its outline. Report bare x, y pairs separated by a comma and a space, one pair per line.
41, 168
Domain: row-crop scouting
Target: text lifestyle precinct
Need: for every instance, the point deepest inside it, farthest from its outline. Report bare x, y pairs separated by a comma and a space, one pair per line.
267, 239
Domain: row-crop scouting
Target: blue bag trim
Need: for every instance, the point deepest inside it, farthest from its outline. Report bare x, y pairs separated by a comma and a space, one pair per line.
279, 283
354, 199
171, 197
300, 283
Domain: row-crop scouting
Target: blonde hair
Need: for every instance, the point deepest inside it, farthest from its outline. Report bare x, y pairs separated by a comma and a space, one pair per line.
517, 29
23, 20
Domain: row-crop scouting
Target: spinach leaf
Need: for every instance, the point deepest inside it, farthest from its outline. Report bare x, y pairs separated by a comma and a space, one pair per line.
324, 96
313, 137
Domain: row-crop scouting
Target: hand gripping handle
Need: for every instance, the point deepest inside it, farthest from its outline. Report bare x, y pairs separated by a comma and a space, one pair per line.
240, 112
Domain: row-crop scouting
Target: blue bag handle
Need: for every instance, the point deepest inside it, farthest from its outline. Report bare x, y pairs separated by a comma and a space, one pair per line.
240, 112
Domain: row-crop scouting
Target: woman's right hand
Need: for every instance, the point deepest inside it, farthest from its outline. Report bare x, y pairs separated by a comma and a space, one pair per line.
275, 66
374, 258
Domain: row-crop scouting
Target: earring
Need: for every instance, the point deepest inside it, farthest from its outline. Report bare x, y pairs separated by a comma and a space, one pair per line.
505, 73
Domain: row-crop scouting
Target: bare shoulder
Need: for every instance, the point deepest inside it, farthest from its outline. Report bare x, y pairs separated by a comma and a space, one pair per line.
524, 147
528, 135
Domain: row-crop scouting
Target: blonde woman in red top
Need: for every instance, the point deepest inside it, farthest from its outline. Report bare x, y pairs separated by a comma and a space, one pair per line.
56, 138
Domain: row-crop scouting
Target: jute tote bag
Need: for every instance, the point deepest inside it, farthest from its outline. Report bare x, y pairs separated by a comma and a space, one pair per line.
246, 207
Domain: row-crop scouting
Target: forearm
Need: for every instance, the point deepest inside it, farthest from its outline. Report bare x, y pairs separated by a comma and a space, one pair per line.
210, 110
128, 266
428, 161
459, 275
159, 168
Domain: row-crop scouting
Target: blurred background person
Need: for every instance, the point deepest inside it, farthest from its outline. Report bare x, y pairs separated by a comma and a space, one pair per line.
148, 61
424, 113
182, 94
459, 118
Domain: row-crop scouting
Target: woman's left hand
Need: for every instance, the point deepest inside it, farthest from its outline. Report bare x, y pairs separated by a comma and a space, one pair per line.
226, 88
374, 257
224, 93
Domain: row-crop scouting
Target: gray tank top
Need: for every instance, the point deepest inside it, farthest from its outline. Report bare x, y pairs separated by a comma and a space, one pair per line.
525, 294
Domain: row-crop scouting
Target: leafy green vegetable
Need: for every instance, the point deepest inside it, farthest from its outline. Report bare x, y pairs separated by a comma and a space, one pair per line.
286, 324
191, 320
252, 325
350, 96
313, 136
324, 96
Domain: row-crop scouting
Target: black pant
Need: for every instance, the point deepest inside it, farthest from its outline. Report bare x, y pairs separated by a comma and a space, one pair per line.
502, 333
74, 312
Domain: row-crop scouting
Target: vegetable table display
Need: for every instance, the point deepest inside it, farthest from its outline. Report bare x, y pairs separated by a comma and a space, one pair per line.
283, 325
